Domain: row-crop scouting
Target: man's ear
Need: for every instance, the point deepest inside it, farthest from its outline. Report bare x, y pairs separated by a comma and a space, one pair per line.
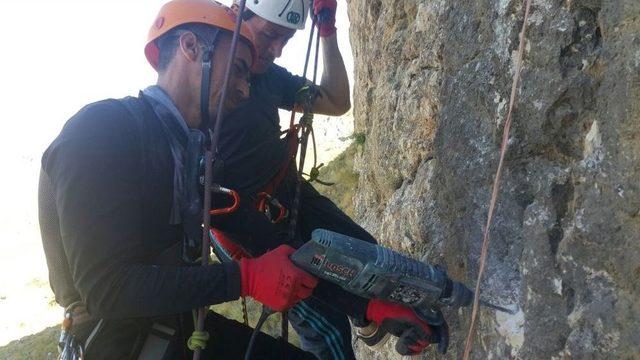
189, 46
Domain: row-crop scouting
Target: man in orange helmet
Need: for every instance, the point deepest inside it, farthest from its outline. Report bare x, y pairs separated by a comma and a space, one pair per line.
120, 207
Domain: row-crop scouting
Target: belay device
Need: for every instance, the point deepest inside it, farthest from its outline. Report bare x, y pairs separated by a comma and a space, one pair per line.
375, 272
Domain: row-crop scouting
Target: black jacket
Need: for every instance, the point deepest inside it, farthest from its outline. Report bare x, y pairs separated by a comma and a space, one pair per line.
105, 200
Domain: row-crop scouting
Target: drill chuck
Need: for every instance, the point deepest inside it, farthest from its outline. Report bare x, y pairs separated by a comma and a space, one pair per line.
459, 296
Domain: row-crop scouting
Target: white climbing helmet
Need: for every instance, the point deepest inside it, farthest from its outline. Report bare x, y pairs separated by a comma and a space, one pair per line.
291, 14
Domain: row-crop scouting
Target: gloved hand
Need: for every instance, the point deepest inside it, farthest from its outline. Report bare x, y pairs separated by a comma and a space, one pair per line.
273, 280
327, 21
414, 335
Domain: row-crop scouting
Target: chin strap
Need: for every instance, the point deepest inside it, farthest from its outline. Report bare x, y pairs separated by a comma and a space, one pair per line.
207, 66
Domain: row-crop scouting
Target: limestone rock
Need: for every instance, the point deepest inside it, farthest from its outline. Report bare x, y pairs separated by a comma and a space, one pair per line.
433, 80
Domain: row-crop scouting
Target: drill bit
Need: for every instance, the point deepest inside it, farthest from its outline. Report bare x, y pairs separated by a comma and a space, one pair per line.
497, 307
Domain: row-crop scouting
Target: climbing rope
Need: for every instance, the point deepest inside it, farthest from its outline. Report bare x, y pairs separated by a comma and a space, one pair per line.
305, 97
198, 336
496, 184
198, 339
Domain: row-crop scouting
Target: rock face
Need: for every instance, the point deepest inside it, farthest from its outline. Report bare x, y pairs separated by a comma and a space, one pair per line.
433, 80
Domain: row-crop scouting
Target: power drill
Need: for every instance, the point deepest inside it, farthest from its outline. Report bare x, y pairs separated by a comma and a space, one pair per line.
375, 272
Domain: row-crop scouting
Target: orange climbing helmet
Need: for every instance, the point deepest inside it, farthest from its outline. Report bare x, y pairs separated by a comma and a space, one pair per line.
180, 12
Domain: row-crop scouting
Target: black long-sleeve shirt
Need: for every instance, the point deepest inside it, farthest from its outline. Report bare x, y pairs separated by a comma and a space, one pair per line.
105, 202
251, 152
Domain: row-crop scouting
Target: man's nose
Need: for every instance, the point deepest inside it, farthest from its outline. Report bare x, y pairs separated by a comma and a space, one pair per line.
276, 47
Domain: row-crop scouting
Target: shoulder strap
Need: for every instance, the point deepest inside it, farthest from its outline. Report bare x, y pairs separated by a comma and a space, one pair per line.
139, 110
133, 106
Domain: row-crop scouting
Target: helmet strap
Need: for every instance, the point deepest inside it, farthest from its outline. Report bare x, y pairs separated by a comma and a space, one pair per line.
247, 14
205, 85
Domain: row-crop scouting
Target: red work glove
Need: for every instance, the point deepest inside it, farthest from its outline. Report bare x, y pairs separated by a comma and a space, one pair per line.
273, 280
327, 21
400, 321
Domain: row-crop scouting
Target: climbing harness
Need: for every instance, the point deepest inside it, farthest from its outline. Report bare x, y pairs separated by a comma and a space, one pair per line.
496, 184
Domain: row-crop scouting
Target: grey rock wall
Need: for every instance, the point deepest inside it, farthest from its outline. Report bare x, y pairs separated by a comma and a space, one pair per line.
433, 80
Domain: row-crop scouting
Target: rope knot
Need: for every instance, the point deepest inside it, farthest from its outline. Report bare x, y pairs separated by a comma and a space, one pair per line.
198, 340
314, 173
306, 119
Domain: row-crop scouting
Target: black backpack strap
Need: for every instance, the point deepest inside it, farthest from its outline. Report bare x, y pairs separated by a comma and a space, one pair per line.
139, 109
134, 107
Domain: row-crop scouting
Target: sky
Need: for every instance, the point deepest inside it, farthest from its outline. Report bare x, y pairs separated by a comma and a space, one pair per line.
57, 57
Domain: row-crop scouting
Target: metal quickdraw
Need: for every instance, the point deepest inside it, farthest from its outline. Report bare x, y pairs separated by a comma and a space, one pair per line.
69, 347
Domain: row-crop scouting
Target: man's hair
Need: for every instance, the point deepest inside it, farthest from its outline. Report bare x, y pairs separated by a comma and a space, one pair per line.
168, 43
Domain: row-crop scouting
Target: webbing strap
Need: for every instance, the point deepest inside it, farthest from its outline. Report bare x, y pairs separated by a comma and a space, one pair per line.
204, 85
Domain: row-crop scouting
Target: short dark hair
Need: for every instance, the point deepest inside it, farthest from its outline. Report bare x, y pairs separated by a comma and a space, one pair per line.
168, 43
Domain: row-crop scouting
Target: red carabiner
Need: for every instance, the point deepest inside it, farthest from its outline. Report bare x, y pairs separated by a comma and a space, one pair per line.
232, 193
263, 207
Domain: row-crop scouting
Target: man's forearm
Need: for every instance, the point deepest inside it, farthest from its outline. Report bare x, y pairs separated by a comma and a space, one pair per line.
334, 85
140, 290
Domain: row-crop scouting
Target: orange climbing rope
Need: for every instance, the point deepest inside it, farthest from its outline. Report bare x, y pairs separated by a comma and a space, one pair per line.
496, 183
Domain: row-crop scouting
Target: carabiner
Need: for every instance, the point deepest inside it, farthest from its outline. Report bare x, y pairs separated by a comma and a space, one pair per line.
264, 201
231, 193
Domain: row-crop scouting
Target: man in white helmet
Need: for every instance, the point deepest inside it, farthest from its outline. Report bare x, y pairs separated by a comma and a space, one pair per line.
274, 23
253, 160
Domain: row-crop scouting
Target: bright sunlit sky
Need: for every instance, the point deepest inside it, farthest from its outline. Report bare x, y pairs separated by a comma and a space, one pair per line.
58, 56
